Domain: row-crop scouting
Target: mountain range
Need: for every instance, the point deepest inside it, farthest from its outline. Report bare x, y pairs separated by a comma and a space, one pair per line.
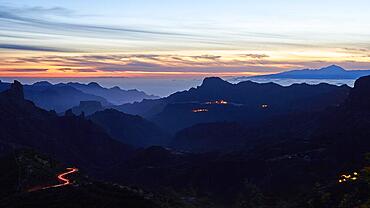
246, 101
291, 160
69, 138
330, 72
233, 145
114, 95
61, 97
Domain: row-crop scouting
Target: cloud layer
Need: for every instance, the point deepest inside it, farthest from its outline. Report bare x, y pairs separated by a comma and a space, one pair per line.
57, 41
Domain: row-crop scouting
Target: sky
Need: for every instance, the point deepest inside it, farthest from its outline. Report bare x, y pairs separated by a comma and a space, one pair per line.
183, 38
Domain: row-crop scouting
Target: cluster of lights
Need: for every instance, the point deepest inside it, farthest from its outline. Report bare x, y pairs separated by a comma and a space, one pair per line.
264, 106
199, 110
346, 178
217, 102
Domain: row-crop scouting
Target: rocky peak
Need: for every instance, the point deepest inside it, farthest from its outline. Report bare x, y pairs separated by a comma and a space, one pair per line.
94, 84
214, 82
359, 97
15, 92
333, 68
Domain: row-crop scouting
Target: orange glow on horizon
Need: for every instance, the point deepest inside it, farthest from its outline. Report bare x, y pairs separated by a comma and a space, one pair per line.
161, 64
128, 74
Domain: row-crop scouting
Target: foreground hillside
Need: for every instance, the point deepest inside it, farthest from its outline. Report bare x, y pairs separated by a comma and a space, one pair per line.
30, 177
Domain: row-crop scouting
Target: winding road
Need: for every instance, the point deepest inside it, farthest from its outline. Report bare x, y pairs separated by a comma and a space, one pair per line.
61, 177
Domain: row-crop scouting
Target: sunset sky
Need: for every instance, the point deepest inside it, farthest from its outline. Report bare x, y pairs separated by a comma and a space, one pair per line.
161, 38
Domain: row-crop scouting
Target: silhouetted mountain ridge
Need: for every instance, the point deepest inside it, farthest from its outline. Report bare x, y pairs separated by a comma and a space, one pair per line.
61, 97
329, 72
114, 95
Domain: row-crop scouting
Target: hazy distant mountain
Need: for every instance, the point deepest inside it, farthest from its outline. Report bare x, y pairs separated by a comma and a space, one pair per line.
130, 129
114, 95
330, 72
59, 97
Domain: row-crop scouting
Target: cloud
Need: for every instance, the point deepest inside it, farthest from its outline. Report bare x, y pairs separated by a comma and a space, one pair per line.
31, 17
209, 57
26, 70
356, 49
76, 70
153, 63
33, 48
37, 10
256, 56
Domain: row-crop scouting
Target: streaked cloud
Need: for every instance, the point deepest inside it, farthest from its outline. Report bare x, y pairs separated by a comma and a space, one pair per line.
76, 70
38, 11
163, 64
26, 17
256, 56
141, 39
33, 48
30, 70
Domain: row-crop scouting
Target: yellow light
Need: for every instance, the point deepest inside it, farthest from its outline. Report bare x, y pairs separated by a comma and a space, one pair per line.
346, 176
199, 110
217, 102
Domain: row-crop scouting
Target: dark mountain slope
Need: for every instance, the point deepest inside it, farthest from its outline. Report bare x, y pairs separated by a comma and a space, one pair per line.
87, 108
211, 137
129, 129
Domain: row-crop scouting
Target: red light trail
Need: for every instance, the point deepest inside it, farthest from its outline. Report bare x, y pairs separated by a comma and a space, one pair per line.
61, 178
